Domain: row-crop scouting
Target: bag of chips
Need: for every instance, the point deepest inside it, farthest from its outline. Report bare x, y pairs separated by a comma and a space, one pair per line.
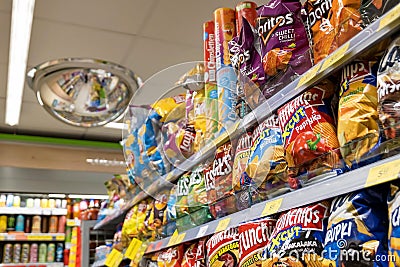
298, 237
285, 49
197, 197
394, 224
358, 129
195, 255
170, 227
171, 257
223, 249
357, 228
388, 90
182, 192
241, 158
309, 134
253, 237
266, 166
372, 10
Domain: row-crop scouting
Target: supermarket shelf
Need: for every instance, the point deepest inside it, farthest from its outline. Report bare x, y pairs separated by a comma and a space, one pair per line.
53, 264
32, 211
348, 182
31, 237
99, 263
73, 222
386, 25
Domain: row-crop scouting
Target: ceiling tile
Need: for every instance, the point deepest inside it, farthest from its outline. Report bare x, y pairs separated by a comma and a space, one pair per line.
149, 56
35, 118
54, 40
5, 22
3, 80
29, 95
126, 16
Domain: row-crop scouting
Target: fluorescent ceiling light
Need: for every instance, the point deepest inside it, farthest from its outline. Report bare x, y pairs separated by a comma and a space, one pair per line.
57, 195
89, 196
116, 125
21, 26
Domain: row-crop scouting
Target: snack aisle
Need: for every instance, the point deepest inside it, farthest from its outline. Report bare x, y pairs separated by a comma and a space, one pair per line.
363, 177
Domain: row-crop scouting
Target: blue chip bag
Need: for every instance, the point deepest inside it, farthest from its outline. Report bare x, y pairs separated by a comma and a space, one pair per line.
298, 237
357, 229
394, 224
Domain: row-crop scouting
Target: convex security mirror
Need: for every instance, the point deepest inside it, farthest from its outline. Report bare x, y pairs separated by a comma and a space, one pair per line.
83, 92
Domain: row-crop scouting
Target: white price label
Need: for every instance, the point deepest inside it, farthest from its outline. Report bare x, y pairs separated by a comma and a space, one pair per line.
202, 231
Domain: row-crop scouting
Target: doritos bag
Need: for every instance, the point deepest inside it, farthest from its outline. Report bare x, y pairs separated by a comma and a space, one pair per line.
223, 249
357, 228
298, 237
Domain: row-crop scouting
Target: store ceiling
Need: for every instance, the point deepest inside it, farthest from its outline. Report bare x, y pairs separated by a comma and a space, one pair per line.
145, 36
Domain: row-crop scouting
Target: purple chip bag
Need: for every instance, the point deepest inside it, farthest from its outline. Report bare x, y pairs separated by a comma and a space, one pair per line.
285, 49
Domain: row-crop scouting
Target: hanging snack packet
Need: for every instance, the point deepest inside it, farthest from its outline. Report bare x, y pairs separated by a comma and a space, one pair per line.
284, 43
242, 153
308, 132
171, 257
266, 163
388, 90
223, 249
394, 224
321, 30
358, 129
298, 237
357, 228
253, 237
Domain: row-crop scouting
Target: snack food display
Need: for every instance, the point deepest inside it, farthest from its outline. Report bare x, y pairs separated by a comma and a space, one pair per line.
171, 257
393, 202
223, 249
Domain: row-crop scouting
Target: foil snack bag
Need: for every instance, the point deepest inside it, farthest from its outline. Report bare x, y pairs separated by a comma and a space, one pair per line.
394, 224
298, 237
223, 249
242, 153
171, 257
285, 49
357, 227
358, 129
388, 90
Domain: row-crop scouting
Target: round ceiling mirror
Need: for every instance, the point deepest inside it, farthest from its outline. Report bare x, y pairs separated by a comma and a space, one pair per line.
83, 92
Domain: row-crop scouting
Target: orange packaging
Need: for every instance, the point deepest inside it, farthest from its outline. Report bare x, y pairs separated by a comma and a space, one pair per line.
245, 10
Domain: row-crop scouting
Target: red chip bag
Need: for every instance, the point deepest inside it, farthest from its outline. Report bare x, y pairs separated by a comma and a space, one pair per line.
172, 257
195, 255
223, 249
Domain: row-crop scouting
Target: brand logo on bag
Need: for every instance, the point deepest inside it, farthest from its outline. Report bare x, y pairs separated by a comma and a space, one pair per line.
255, 235
266, 24
320, 11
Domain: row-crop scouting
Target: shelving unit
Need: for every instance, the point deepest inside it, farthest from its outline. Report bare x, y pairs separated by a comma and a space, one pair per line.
53, 264
31, 237
364, 177
32, 211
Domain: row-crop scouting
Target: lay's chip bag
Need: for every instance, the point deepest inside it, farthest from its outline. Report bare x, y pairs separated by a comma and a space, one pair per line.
171, 257
357, 228
223, 249
394, 224
298, 237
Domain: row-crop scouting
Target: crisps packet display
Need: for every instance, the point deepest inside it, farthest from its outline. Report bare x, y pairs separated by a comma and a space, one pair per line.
130, 227
266, 167
210, 86
357, 127
309, 134
394, 224
194, 255
170, 227
182, 192
321, 29
171, 257
388, 90
200, 117
158, 216
372, 10
242, 153
298, 237
245, 10
223, 249
357, 228
285, 50
197, 197
224, 19
253, 237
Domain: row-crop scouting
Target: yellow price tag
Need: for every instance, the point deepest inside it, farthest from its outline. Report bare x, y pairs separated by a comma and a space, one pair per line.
272, 207
60, 237
172, 239
180, 238
306, 77
2, 238
222, 225
133, 248
389, 17
114, 258
335, 56
383, 173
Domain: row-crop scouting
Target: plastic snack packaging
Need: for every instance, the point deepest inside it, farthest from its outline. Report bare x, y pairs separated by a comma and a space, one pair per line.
309, 134
394, 224
388, 91
253, 237
210, 87
357, 227
224, 19
321, 29
130, 227
266, 167
182, 192
285, 49
170, 227
242, 153
195, 255
200, 119
358, 129
223, 249
372, 10
245, 10
171, 257
158, 218
298, 237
